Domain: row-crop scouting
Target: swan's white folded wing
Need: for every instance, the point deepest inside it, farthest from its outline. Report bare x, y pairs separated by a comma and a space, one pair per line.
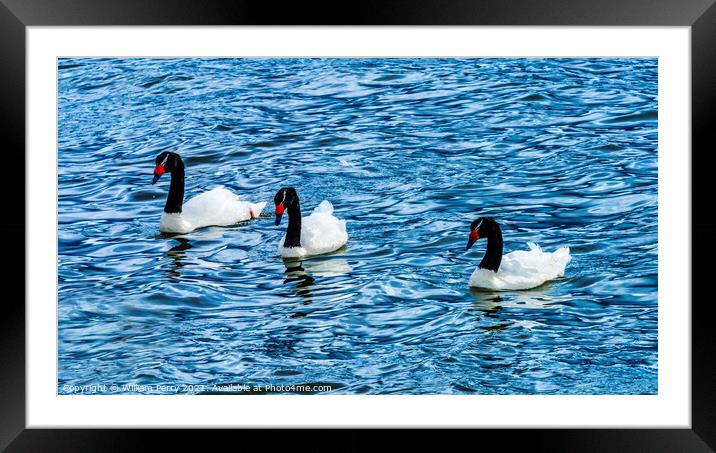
218, 206
325, 207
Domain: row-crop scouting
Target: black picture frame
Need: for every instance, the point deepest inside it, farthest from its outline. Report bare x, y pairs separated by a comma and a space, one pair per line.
16, 15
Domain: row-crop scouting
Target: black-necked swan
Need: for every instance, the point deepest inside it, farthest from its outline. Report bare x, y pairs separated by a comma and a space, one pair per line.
321, 232
521, 269
218, 206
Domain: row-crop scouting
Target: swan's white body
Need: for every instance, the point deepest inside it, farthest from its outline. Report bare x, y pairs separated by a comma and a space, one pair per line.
218, 206
321, 232
523, 269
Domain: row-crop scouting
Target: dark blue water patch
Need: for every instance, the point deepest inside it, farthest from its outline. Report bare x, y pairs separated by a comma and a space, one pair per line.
60, 67
409, 151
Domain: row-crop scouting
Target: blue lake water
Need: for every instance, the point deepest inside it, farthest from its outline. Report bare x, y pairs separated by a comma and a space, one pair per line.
409, 151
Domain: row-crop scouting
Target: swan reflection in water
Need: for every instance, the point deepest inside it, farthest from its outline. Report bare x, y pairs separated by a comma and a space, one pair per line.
295, 273
302, 275
177, 254
488, 299
492, 304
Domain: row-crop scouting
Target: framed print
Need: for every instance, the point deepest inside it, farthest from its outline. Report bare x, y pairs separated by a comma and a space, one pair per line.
421, 216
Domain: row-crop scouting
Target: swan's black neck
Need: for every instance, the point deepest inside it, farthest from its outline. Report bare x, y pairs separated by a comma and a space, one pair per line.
293, 233
493, 254
176, 190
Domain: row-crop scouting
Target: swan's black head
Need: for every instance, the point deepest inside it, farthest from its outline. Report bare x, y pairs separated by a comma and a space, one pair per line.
166, 161
482, 228
284, 198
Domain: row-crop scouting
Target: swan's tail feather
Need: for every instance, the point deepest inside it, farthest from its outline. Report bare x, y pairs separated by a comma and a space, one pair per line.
256, 208
563, 253
324, 208
562, 257
534, 246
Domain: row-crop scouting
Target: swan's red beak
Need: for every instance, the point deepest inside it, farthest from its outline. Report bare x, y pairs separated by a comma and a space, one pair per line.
473, 238
279, 213
158, 171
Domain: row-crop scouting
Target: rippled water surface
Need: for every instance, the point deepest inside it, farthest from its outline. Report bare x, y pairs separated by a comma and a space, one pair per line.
410, 151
